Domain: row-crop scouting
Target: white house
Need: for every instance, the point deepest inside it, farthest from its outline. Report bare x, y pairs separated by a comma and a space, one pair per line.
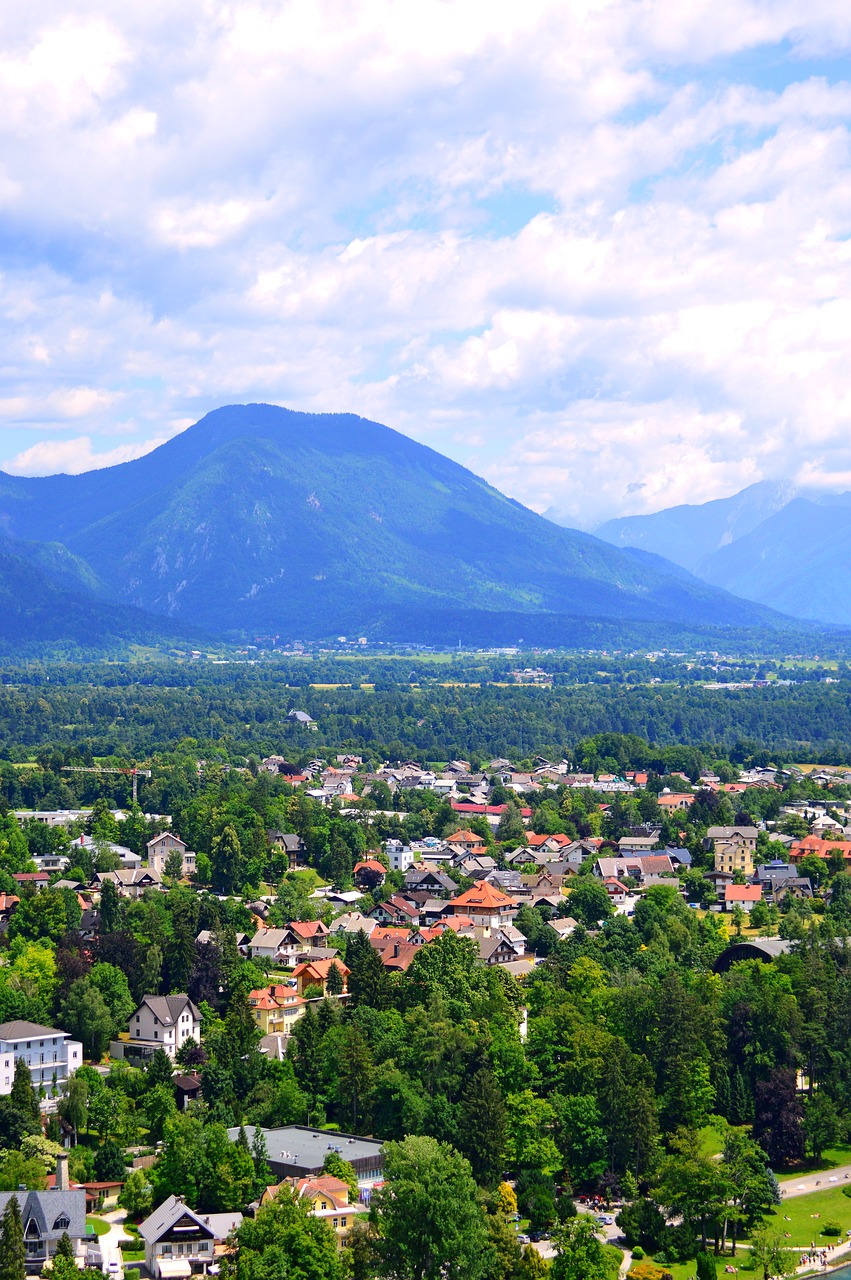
180, 1242
164, 844
163, 1022
51, 1055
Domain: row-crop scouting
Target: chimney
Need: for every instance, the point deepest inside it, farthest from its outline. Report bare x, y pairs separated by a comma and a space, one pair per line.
62, 1182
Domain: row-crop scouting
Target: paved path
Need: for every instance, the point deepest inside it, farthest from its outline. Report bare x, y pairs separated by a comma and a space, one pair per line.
110, 1240
810, 1182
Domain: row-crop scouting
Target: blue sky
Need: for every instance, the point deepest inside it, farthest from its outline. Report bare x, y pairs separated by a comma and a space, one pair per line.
598, 252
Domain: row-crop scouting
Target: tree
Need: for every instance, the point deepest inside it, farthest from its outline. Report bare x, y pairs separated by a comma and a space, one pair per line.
821, 1123
706, 1266
110, 1165
334, 983
340, 1168
23, 1096
137, 1194
770, 1256
86, 1015
226, 860
481, 1127
110, 908
510, 829
113, 986
160, 1069
779, 1118
642, 1224
12, 1251
589, 902
283, 1240
74, 1106
429, 1222
173, 869
506, 1199
579, 1253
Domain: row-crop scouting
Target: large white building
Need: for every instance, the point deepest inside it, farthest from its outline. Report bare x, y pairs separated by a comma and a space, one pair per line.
51, 1055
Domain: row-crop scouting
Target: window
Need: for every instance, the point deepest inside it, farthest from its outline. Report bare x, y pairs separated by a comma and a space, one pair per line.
342, 1222
335, 1222
324, 1204
62, 1223
166, 1250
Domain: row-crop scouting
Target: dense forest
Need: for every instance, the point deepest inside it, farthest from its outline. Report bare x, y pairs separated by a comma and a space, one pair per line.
234, 710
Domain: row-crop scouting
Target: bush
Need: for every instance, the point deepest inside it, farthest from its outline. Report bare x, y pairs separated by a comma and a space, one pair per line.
831, 1229
678, 1243
637, 1253
642, 1223
649, 1271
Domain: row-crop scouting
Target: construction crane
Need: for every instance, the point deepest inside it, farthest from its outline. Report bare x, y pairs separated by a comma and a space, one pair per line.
134, 773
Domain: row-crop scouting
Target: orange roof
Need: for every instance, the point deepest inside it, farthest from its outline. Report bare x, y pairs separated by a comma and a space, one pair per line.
319, 969
821, 848
483, 897
369, 865
464, 837
743, 893
308, 928
675, 798
455, 923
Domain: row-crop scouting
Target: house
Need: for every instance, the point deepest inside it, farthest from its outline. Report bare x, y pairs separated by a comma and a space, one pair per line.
741, 895
476, 866
468, 841
126, 857
51, 1055
733, 847
369, 874
315, 974
162, 846
671, 801
328, 1198
296, 1151
431, 880
187, 1088
821, 848
303, 720
563, 926
162, 1022
282, 946
618, 893
275, 1009
396, 910
353, 922
504, 946
636, 844
130, 882
36, 880
637, 866
180, 1242
485, 905
401, 855
292, 845
48, 1215
310, 933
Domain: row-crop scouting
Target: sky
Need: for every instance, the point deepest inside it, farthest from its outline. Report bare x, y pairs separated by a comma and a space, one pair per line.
600, 253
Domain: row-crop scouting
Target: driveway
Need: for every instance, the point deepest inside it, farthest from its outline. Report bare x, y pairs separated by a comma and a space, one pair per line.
109, 1242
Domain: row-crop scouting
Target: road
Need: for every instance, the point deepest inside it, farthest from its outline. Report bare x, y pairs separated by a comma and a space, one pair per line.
810, 1182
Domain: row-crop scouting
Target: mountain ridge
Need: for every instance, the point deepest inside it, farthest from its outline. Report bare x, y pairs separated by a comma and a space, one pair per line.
259, 519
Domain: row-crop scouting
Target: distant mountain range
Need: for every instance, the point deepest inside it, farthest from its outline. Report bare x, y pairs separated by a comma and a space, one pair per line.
262, 521
781, 547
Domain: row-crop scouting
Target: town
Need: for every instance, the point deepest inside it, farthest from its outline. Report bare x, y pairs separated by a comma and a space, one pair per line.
603, 1008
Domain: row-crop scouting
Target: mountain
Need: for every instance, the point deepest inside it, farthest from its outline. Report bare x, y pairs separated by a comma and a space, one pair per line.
260, 520
689, 534
796, 561
47, 608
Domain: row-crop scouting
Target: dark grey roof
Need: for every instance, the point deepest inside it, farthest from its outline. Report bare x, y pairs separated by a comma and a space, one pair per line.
169, 1008
47, 1208
216, 1225
22, 1030
307, 1148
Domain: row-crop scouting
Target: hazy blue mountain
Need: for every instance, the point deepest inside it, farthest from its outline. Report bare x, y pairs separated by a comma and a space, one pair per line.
259, 520
796, 561
689, 534
47, 605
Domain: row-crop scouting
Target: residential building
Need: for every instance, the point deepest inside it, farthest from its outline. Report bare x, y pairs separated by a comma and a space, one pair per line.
163, 1022
160, 849
48, 1215
733, 847
130, 882
485, 905
468, 841
180, 1242
369, 874
291, 845
328, 1198
276, 1009
401, 855
741, 895
315, 974
51, 1056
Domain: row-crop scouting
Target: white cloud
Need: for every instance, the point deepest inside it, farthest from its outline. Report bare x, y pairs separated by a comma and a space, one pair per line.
72, 456
599, 251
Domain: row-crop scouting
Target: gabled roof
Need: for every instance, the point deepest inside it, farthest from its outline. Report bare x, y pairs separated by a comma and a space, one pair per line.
169, 1008
464, 837
309, 928
215, 1226
20, 1029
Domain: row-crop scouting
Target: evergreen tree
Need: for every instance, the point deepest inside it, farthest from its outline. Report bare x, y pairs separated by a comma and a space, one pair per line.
260, 1156
368, 981
110, 909
334, 984
706, 1266
23, 1096
741, 1103
12, 1251
481, 1127
723, 1094
160, 1069
65, 1249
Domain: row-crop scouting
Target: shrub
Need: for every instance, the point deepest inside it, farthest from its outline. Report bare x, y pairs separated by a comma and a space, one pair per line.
649, 1271
831, 1229
637, 1253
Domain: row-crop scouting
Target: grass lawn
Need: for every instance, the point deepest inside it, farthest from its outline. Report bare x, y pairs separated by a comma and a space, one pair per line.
100, 1228
803, 1228
614, 1257
831, 1159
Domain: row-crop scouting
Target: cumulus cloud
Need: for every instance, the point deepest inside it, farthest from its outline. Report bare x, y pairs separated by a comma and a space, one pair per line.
597, 252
